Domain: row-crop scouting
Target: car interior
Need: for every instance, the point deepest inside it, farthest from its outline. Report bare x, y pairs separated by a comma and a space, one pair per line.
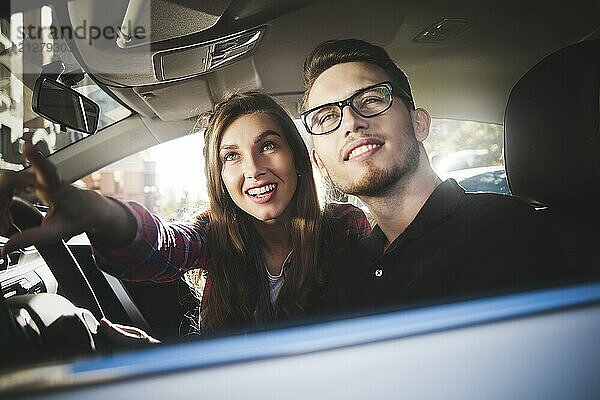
548, 155
530, 71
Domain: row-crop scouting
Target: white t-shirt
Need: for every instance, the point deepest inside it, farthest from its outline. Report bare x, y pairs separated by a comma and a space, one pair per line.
276, 281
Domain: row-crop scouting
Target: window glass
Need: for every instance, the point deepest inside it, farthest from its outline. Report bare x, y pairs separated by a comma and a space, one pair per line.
19, 53
168, 179
470, 152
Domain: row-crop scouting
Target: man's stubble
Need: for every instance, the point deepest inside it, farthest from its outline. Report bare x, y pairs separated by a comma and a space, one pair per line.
376, 182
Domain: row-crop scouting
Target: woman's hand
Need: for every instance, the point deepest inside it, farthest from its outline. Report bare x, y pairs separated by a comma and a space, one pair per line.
125, 335
71, 210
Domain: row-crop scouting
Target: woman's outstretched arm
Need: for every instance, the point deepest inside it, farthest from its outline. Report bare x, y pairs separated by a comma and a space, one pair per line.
71, 210
128, 240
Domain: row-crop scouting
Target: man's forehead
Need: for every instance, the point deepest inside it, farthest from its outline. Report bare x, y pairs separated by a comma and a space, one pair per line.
343, 80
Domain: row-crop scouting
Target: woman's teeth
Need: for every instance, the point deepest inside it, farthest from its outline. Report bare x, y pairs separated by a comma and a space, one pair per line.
262, 190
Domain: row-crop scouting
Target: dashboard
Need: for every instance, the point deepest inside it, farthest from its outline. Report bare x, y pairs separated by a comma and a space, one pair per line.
25, 272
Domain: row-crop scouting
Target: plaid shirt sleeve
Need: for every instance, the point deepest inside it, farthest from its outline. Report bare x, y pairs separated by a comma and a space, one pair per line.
160, 252
353, 222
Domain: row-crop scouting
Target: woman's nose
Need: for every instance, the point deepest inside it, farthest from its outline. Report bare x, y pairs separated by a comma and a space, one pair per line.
253, 168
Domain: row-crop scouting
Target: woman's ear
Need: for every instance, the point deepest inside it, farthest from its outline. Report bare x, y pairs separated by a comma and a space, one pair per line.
319, 163
316, 159
421, 122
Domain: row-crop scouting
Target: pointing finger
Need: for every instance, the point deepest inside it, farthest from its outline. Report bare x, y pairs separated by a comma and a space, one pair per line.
43, 234
44, 170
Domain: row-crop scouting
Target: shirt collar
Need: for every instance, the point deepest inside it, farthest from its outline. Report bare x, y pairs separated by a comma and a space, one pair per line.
438, 207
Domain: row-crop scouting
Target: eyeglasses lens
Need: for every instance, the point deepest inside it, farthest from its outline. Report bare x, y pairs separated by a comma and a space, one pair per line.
367, 103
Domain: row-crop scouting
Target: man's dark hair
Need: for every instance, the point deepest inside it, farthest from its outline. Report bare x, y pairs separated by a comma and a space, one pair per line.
333, 52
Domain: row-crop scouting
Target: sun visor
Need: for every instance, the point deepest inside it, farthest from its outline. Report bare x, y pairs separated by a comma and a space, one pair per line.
199, 16
190, 97
179, 100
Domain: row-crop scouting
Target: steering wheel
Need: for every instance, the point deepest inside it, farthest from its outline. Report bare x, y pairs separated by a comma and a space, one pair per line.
19, 340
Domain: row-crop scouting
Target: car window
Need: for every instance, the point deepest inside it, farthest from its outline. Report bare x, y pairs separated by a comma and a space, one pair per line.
486, 180
451, 73
168, 179
19, 66
470, 152
455, 145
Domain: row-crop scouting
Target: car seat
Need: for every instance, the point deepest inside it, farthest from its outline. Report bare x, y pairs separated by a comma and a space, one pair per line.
552, 148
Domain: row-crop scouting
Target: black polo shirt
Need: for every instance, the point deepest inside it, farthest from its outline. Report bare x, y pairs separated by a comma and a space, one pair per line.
460, 245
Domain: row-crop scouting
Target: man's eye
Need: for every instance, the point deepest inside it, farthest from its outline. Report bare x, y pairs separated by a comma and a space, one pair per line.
327, 117
230, 157
370, 101
268, 146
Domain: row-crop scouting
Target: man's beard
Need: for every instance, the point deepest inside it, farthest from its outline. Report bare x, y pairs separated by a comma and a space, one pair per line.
377, 182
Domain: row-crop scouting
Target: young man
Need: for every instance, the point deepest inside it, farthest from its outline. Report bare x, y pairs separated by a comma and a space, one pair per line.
432, 240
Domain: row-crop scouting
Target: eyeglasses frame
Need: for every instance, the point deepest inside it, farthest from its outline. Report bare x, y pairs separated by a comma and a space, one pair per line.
348, 102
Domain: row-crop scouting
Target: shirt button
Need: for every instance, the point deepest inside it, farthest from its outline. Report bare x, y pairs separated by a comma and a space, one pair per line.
378, 272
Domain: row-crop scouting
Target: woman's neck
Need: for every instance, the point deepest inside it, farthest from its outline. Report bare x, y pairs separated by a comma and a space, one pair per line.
273, 235
277, 244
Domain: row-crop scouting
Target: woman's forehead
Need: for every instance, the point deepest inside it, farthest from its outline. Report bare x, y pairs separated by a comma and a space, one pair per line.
245, 129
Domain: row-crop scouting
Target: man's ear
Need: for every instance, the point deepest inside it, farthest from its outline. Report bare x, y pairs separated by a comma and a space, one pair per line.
421, 123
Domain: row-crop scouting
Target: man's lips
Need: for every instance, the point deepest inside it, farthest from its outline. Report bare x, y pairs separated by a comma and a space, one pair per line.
363, 146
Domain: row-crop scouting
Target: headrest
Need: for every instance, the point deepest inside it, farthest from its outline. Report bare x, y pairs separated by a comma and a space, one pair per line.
552, 130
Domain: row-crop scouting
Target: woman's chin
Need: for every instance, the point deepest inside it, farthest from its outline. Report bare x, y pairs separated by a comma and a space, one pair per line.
266, 217
271, 214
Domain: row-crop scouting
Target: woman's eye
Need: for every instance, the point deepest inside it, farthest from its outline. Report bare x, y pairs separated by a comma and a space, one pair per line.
268, 146
230, 157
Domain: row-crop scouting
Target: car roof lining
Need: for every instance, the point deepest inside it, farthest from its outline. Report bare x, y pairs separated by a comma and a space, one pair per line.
476, 68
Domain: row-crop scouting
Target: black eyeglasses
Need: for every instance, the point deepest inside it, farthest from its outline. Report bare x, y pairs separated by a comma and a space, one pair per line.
367, 102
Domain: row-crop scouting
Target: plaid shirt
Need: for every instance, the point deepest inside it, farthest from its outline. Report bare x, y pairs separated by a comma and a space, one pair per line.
163, 251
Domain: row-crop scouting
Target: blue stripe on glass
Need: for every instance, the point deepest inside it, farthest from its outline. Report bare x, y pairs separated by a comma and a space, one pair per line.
330, 335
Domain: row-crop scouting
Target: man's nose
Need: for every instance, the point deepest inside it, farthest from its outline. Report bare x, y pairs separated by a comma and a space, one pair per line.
352, 121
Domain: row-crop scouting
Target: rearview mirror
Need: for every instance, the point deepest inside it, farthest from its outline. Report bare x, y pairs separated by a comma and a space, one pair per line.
65, 106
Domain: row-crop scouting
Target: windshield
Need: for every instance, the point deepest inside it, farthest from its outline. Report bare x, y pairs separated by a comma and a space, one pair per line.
21, 58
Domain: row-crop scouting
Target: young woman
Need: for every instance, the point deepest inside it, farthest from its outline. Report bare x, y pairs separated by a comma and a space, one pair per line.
262, 251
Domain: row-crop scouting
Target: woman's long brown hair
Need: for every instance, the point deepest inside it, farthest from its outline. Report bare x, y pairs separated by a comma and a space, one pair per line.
238, 292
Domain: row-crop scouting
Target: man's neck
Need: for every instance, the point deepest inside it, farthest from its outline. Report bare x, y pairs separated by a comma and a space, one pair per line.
395, 210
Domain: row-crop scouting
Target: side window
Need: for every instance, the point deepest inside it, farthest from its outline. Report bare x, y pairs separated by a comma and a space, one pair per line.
470, 152
168, 179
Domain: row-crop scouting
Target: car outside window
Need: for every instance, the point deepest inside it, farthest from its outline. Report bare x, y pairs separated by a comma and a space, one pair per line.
470, 152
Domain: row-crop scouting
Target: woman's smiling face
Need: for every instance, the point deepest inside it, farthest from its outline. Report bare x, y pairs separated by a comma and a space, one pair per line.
258, 166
